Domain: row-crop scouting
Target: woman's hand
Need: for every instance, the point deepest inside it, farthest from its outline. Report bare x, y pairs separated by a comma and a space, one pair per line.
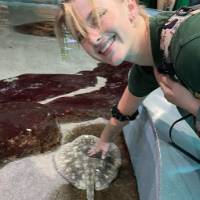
176, 93
101, 147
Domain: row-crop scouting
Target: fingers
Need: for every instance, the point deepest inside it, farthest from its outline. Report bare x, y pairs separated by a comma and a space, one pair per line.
164, 79
165, 88
97, 153
93, 151
105, 150
159, 76
103, 155
165, 83
100, 148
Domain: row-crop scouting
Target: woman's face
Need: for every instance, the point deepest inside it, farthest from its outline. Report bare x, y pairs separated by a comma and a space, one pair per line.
112, 42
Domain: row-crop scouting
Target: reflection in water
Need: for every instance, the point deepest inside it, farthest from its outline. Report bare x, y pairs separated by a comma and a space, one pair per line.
185, 170
39, 29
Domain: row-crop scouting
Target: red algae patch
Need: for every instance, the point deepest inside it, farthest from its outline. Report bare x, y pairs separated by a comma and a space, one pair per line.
90, 105
37, 87
27, 128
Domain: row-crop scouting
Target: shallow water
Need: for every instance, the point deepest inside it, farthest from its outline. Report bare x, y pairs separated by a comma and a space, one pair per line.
32, 71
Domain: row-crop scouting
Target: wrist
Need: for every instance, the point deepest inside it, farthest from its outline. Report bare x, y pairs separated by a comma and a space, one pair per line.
115, 127
197, 121
117, 123
116, 113
111, 129
198, 114
194, 106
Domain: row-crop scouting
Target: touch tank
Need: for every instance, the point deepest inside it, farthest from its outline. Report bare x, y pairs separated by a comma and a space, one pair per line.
47, 101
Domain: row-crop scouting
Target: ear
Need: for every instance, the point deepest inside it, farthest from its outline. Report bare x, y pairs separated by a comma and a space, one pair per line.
132, 8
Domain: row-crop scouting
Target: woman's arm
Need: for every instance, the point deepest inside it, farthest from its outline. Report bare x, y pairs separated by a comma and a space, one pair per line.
127, 105
177, 94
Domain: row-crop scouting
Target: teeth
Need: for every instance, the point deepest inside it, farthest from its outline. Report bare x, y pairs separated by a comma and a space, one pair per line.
107, 45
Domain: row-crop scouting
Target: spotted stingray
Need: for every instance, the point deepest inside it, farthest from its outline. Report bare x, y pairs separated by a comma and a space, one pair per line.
84, 172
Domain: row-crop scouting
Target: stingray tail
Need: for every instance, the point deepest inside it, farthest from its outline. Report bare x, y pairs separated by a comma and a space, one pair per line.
90, 182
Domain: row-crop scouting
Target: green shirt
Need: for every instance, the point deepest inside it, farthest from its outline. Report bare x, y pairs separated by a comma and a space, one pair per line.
186, 64
180, 3
184, 53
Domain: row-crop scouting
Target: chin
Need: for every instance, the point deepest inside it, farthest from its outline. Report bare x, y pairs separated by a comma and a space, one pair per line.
115, 63
113, 60
116, 60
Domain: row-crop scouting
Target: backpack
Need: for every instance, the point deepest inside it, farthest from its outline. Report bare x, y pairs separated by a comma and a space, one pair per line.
167, 32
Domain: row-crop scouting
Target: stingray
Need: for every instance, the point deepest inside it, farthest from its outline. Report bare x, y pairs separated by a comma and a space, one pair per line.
87, 173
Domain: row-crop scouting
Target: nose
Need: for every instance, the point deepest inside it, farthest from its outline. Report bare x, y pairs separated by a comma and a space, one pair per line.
94, 36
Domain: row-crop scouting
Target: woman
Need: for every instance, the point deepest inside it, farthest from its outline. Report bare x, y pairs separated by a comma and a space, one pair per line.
119, 30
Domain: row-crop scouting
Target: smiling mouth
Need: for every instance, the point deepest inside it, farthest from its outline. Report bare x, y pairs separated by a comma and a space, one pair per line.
106, 47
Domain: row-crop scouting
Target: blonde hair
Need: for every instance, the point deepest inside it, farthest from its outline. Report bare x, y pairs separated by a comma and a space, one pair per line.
67, 20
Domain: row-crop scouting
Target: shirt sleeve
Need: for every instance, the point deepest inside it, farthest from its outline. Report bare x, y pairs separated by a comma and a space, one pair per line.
141, 80
187, 64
